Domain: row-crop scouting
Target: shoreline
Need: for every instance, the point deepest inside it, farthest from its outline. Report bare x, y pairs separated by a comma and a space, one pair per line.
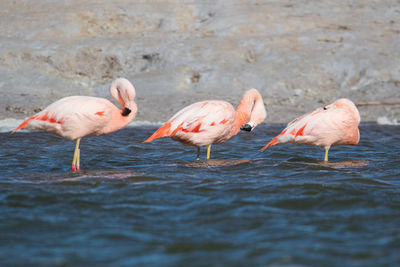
369, 111
9, 124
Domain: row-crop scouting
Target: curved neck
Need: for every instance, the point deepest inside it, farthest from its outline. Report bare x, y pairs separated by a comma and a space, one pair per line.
122, 91
116, 94
250, 102
243, 110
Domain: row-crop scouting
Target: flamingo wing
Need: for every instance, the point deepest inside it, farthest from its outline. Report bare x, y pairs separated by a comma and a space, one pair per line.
195, 118
71, 117
302, 129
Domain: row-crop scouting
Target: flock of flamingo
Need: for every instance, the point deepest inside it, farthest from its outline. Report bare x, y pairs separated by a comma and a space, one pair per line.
199, 124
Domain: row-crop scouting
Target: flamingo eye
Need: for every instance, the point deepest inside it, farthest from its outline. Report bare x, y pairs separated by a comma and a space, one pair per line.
325, 108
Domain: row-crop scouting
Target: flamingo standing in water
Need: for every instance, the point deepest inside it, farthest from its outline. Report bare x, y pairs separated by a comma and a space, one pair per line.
75, 117
213, 121
335, 124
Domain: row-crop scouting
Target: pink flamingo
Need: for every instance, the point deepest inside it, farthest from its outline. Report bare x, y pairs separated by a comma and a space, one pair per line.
335, 124
213, 121
75, 117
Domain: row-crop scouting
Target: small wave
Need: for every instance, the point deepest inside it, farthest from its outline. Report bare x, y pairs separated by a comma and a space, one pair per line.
9, 124
386, 121
145, 123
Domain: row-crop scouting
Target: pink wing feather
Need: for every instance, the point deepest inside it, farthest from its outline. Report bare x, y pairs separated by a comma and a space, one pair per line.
301, 130
71, 117
333, 124
198, 117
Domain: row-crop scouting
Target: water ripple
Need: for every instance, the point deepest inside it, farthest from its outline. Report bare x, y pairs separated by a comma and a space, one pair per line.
139, 204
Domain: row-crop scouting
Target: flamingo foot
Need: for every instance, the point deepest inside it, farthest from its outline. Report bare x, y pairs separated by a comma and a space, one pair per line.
75, 168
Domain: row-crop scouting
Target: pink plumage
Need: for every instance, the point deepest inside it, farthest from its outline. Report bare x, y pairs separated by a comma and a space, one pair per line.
75, 117
335, 124
213, 121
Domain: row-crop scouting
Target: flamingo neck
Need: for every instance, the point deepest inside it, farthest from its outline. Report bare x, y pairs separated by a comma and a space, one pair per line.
122, 91
243, 111
119, 121
250, 108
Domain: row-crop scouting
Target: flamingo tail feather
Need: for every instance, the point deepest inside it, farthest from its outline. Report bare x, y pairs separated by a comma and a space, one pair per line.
161, 132
272, 143
23, 125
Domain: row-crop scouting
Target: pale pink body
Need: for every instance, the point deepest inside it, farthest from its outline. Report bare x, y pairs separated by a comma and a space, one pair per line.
80, 116
75, 117
213, 121
335, 124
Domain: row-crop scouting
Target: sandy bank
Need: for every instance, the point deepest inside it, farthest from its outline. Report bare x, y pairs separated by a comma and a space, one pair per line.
299, 54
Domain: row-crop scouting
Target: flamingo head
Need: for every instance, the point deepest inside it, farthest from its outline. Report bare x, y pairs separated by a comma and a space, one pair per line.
258, 112
248, 127
124, 92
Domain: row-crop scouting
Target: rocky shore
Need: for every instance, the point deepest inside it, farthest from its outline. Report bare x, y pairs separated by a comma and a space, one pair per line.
298, 54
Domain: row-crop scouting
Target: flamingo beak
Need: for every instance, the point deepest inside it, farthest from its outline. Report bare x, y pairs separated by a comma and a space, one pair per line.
126, 112
247, 127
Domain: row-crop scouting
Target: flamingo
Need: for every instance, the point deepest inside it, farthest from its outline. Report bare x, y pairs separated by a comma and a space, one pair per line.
334, 124
75, 117
213, 121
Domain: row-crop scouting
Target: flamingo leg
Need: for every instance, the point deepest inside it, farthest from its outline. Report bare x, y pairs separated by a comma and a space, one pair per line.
208, 152
76, 159
326, 154
198, 153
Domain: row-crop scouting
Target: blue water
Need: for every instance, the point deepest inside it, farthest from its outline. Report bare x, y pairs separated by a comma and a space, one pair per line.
152, 205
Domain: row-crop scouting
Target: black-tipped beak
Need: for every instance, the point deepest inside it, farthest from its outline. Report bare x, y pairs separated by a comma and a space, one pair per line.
246, 128
126, 112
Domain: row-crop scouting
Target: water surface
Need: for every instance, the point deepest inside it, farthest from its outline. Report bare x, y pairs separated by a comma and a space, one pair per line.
151, 204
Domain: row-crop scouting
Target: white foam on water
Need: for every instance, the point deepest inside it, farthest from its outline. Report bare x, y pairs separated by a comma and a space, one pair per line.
145, 123
386, 121
9, 124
